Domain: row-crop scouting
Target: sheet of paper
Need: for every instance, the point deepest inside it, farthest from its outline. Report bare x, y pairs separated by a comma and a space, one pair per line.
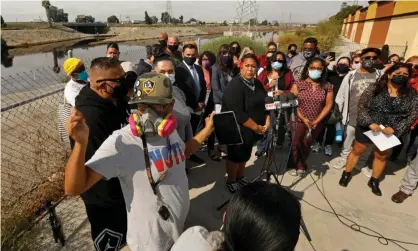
383, 141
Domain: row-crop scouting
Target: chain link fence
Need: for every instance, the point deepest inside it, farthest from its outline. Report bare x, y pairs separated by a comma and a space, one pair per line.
32, 154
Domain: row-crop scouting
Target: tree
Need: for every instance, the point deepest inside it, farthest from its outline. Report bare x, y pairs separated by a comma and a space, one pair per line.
57, 15
265, 22
192, 20
84, 19
275, 23
154, 19
181, 19
165, 18
343, 13
3, 24
148, 20
46, 4
113, 19
225, 23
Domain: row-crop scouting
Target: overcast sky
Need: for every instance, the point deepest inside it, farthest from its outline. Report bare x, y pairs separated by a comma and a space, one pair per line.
301, 11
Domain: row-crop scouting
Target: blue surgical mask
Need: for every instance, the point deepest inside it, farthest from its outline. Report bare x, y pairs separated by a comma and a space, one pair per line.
314, 74
276, 65
83, 76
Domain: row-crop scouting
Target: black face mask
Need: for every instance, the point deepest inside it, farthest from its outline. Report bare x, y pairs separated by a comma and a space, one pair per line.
163, 43
293, 52
342, 68
226, 60
119, 92
399, 80
189, 60
173, 48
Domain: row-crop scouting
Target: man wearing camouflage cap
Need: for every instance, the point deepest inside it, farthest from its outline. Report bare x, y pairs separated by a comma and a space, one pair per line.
148, 157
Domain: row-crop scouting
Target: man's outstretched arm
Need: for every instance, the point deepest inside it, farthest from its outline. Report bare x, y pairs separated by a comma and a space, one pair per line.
78, 177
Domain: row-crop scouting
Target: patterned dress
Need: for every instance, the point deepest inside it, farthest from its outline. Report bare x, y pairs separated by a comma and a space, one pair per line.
311, 101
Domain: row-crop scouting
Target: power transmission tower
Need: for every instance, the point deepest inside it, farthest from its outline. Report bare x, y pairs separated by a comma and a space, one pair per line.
169, 10
246, 15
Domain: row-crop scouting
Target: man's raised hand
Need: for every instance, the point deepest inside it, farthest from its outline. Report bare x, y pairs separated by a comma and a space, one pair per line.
77, 128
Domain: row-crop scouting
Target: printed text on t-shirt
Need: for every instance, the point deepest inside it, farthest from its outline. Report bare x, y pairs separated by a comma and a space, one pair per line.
164, 156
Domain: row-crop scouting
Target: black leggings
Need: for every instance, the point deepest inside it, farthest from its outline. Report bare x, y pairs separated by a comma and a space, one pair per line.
329, 136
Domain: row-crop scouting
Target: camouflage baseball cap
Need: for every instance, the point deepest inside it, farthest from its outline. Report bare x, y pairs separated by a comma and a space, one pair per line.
152, 88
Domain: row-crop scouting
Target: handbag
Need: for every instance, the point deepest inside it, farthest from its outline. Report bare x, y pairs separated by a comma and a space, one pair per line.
334, 116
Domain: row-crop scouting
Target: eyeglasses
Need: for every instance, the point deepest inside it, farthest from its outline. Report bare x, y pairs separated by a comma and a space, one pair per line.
356, 62
370, 57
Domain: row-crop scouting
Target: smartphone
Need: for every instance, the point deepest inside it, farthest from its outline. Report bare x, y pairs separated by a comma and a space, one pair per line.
332, 54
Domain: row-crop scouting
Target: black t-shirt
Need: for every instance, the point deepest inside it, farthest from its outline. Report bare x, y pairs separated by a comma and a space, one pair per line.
245, 103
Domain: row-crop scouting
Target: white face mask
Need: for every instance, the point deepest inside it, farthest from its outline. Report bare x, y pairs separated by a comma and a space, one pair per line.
171, 77
356, 66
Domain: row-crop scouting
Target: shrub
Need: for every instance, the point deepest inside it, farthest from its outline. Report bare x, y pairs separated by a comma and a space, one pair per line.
214, 44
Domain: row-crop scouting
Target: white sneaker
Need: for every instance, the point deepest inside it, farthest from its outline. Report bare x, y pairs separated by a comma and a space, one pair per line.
328, 150
316, 147
340, 164
367, 171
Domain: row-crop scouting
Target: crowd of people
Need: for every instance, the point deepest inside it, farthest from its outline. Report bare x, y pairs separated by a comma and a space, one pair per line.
134, 129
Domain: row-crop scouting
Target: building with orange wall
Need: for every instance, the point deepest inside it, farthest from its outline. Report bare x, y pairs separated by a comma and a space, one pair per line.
385, 22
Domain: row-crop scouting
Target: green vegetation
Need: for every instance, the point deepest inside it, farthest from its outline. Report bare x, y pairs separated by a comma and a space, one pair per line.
113, 19
214, 44
344, 12
3, 24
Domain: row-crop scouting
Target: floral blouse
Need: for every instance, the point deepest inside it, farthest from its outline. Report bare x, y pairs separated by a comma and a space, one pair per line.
380, 108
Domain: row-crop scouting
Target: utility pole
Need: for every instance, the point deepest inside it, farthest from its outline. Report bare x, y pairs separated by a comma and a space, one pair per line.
169, 10
246, 12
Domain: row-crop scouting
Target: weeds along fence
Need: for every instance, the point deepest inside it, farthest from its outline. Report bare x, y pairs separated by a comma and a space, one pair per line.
32, 155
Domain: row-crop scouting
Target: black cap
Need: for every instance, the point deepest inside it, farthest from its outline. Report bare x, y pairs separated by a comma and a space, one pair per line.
370, 49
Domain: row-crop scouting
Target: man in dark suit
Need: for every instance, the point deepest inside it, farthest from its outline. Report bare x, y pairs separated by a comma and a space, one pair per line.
190, 79
145, 66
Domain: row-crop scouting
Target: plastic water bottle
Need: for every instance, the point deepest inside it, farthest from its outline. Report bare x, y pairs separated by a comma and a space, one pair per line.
339, 132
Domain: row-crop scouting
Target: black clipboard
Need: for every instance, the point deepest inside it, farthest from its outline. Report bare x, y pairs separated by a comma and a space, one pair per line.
227, 130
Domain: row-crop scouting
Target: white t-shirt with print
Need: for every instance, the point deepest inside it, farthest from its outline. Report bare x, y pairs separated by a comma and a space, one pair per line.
121, 155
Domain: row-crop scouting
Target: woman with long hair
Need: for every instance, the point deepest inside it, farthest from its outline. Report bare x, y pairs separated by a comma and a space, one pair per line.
235, 50
277, 79
389, 106
221, 75
315, 95
335, 77
245, 96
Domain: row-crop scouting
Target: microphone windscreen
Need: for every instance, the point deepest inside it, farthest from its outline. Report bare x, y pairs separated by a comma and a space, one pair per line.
283, 98
291, 96
268, 100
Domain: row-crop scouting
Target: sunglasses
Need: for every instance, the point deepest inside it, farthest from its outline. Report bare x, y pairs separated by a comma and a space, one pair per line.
370, 57
356, 62
117, 80
414, 66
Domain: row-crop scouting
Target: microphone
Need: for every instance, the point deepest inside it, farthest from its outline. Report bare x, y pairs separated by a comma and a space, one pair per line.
274, 105
269, 103
295, 103
285, 98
